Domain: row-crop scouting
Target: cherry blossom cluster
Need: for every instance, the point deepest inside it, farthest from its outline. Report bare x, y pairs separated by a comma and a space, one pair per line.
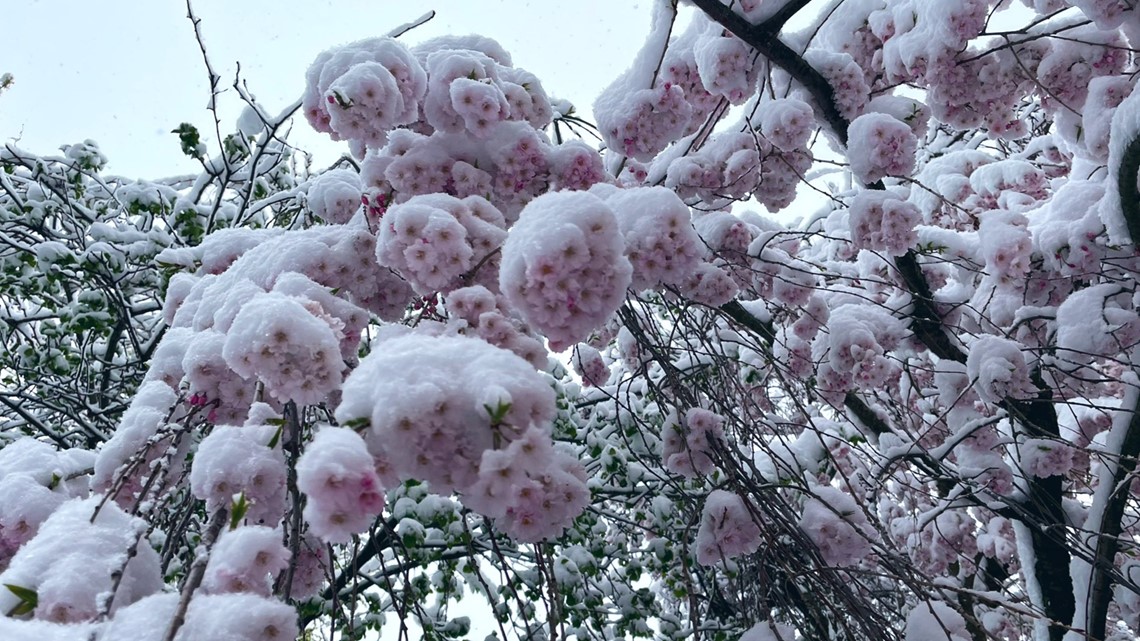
589, 364
1006, 246
289, 344
780, 173
72, 562
836, 525
334, 196
361, 90
687, 448
787, 123
532, 489
435, 240
881, 222
642, 112
880, 145
727, 67
660, 241
34, 481
491, 321
434, 404
510, 165
469, 90
338, 475
246, 559
846, 80
646, 121
564, 266
727, 167
855, 349
236, 462
727, 529
998, 370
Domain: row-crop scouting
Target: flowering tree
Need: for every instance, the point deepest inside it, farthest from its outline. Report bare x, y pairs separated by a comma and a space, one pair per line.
832, 336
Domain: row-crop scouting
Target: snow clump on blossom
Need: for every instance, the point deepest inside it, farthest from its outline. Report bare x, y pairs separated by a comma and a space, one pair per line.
289, 345
35, 479
434, 240
727, 529
338, 475
564, 266
640, 114
787, 123
142, 437
361, 90
71, 563
246, 559
660, 241
727, 67
334, 196
879, 221
836, 525
532, 489
727, 166
936, 621
687, 449
237, 461
436, 403
880, 145
998, 370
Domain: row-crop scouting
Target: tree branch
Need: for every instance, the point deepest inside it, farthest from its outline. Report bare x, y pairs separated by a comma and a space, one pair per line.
763, 39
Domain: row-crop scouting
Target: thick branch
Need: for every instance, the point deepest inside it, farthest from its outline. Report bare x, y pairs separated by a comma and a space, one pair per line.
763, 39
1108, 532
1129, 194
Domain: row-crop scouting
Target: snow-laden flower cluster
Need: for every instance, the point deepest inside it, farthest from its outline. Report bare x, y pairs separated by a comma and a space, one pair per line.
464, 416
338, 475
879, 221
361, 90
246, 559
660, 242
854, 350
727, 67
590, 365
532, 489
880, 145
35, 479
787, 123
488, 317
236, 462
433, 241
836, 525
727, 166
998, 369
564, 266
288, 344
434, 404
728, 529
334, 196
687, 448
72, 563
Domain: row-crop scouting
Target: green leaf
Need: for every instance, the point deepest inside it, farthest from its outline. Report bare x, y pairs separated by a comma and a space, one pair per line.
276, 436
28, 600
238, 509
498, 412
191, 141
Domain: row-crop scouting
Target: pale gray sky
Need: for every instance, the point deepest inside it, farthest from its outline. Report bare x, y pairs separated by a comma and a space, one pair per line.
126, 72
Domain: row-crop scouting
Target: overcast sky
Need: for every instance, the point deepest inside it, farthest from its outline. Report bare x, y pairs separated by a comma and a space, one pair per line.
126, 72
